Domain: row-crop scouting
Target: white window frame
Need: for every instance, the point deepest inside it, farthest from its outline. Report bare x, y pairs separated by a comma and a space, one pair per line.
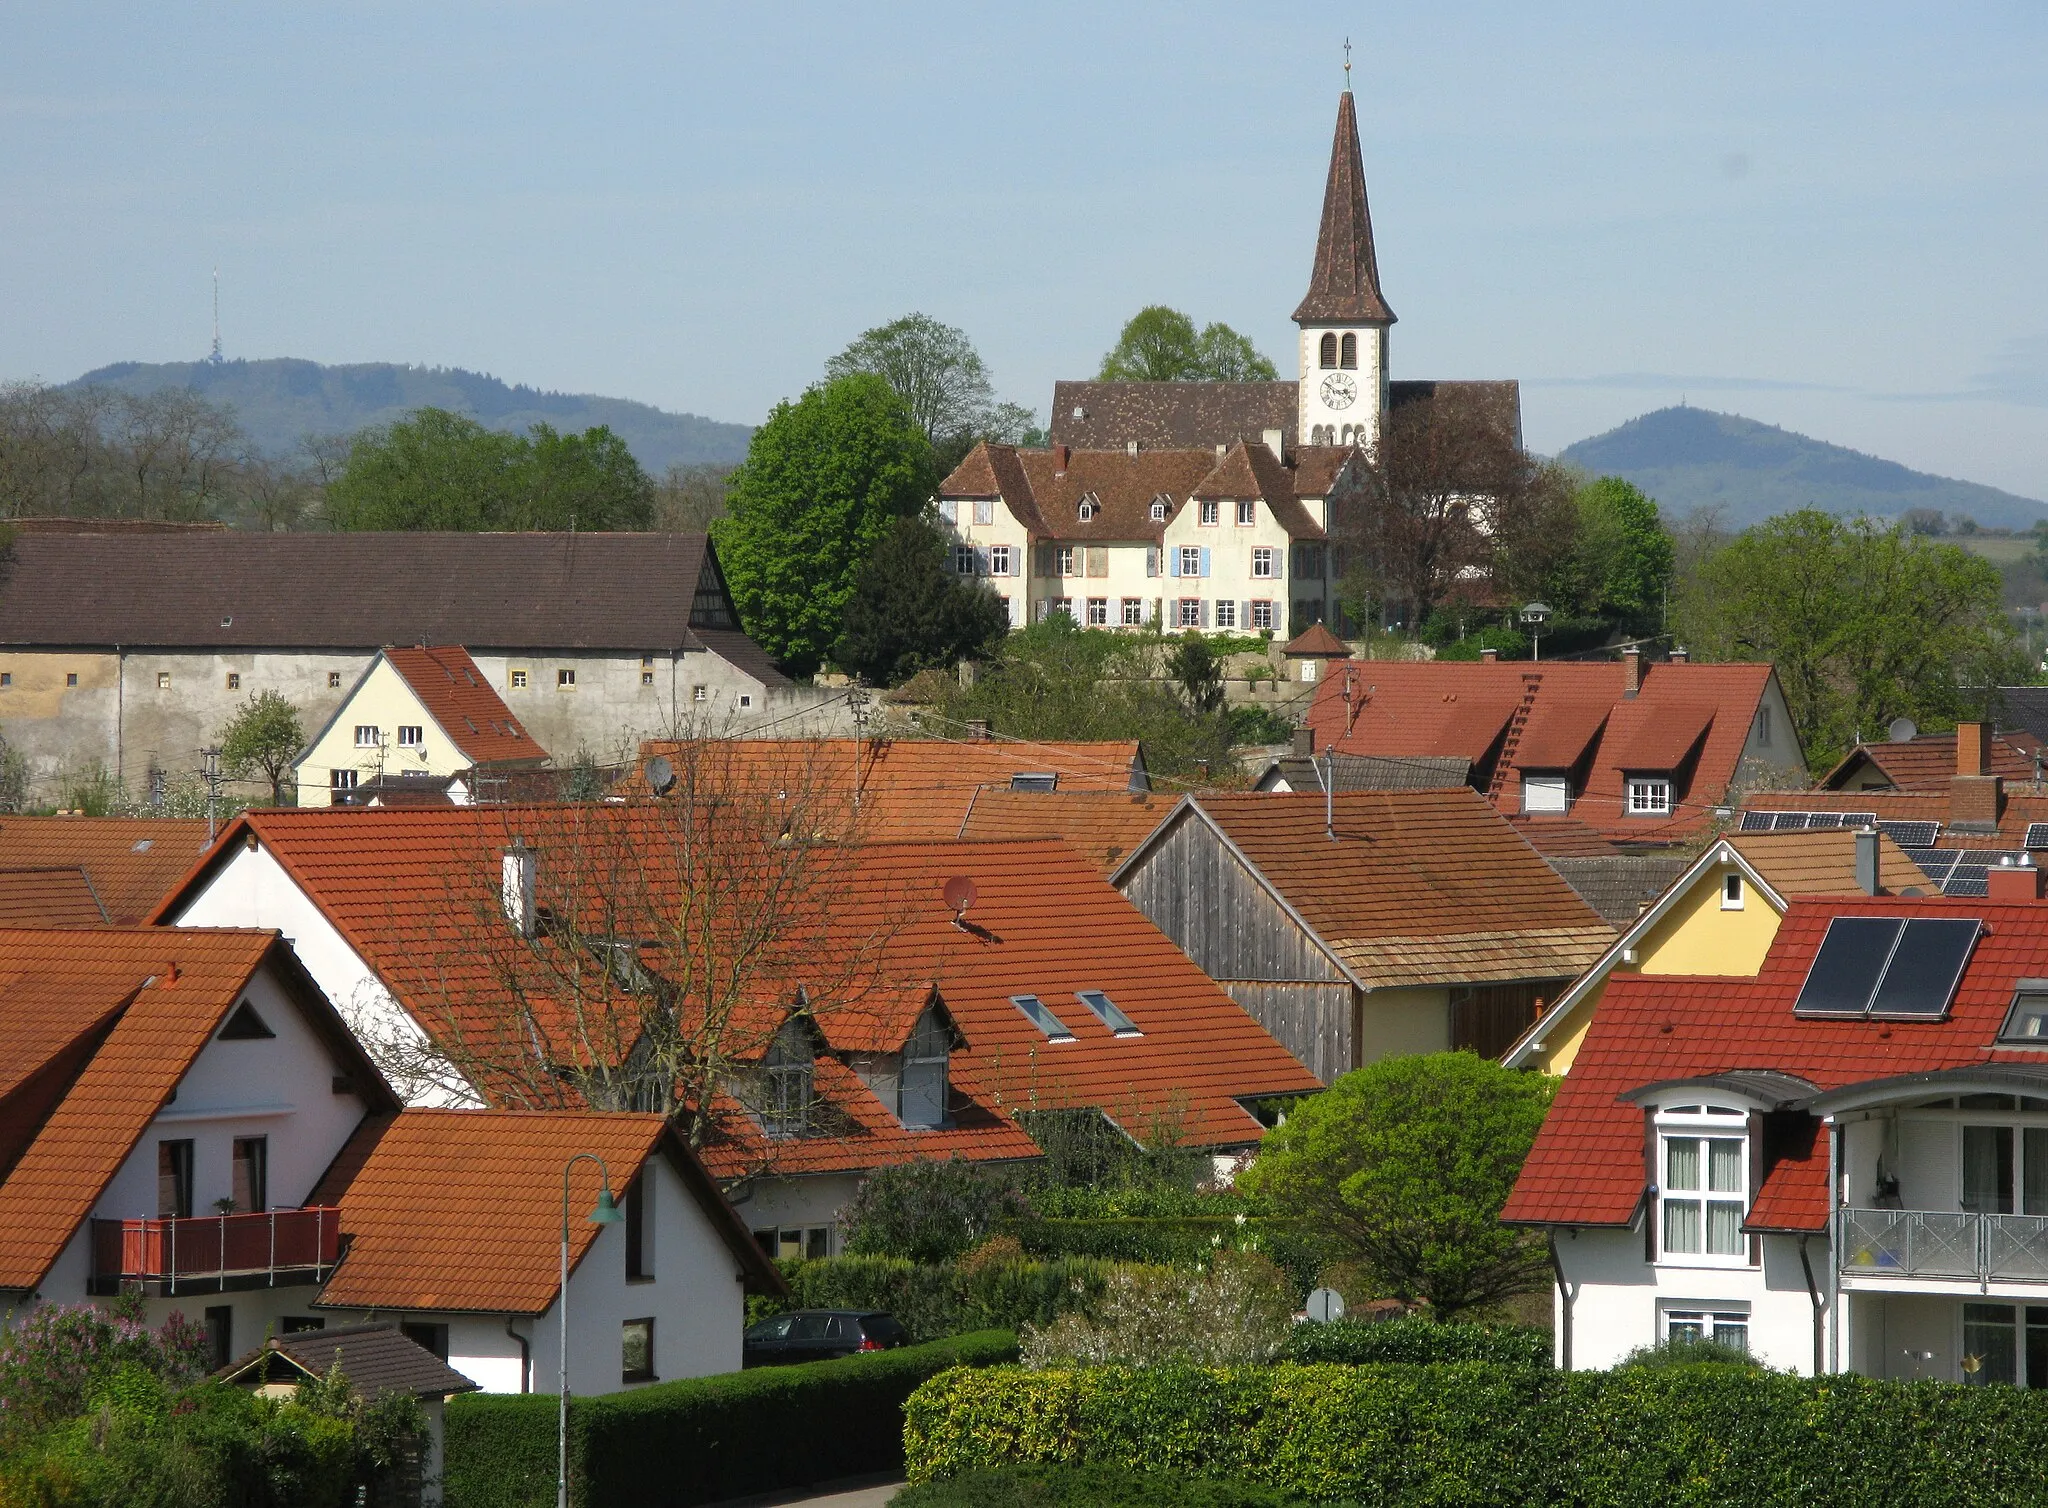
999, 560
1718, 1319
518, 680
369, 736
1262, 563
1226, 613
1701, 1125
1158, 511
1191, 560
412, 735
1732, 890
565, 679
1187, 612
963, 560
1211, 513
1064, 561
1546, 793
1134, 612
1247, 512
1063, 605
1262, 615
1648, 796
1098, 612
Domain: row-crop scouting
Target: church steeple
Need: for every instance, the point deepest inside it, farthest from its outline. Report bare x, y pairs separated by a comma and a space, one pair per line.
1345, 286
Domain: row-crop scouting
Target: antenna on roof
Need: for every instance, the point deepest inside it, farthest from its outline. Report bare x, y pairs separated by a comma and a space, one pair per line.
959, 893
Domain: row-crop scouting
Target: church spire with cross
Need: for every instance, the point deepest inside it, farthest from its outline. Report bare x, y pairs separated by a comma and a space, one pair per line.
1345, 284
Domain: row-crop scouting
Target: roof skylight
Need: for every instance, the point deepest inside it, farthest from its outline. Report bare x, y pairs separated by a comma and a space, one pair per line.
1886, 966
1106, 1011
1040, 1015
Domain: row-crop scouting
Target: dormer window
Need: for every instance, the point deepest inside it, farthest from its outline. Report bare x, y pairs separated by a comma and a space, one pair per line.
1649, 796
921, 1092
1158, 510
1088, 509
786, 1106
1702, 1182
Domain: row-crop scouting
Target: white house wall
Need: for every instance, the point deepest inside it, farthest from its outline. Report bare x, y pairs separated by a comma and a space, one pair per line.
799, 1203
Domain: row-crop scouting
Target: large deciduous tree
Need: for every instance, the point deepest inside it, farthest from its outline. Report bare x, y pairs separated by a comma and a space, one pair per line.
823, 478
908, 612
264, 735
1160, 344
1403, 1167
1865, 622
439, 470
938, 373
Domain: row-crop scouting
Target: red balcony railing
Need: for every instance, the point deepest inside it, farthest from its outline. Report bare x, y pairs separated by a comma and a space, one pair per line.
212, 1252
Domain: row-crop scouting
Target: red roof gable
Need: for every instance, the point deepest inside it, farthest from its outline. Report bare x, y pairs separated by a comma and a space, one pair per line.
1587, 1165
458, 698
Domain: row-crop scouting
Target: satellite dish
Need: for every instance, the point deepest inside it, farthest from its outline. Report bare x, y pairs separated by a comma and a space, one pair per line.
1325, 1305
661, 775
1903, 730
959, 893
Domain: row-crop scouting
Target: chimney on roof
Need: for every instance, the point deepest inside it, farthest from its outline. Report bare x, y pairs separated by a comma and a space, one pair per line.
1489, 656
1276, 441
1971, 749
1680, 654
977, 730
1866, 860
1304, 743
1059, 459
1631, 671
2012, 881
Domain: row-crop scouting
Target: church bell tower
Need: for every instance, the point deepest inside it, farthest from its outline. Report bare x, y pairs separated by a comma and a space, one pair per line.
1344, 319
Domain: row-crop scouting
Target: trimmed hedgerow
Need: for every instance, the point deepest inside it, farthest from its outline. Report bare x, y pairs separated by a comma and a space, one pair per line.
1089, 1487
1418, 1342
1174, 1240
955, 1299
678, 1444
1489, 1437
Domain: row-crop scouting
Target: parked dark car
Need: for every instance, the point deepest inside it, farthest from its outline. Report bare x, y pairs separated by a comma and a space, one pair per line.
819, 1334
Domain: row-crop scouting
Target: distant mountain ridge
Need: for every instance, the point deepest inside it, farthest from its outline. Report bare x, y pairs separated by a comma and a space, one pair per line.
1689, 458
282, 400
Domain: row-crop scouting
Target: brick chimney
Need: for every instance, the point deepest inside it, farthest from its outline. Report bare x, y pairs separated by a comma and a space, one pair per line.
977, 730
1680, 655
1304, 744
1490, 656
1975, 800
1631, 672
1059, 459
2013, 882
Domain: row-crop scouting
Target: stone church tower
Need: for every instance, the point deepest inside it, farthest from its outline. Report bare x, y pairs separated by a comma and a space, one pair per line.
1344, 319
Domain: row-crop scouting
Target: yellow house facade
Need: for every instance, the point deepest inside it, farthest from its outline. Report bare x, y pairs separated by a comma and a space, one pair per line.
1719, 918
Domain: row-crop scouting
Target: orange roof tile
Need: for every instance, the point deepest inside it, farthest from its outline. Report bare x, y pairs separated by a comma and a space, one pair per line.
1925, 763
133, 862
1106, 826
907, 788
90, 1132
1418, 887
458, 698
1689, 720
48, 898
461, 1209
1823, 862
1316, 640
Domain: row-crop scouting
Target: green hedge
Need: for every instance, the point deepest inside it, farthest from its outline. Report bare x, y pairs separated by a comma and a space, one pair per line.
1089, 1487
934, 1302
676, 1444
1418, 1342
1479, 1436
1172, 1241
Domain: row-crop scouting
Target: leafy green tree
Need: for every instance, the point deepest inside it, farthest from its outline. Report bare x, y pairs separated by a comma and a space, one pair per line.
908, 612
822, 480
929, 1211
1626, 553
936, 370
438, 470
1864, 621
1160, 344
1195, 667
265, 735
1404, 1165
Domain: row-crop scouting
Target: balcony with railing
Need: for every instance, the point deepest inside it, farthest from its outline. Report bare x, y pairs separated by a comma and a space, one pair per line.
215, 1253
1937, 1244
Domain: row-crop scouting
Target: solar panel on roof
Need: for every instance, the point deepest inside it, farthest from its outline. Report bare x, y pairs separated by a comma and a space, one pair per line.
2037, 835
1920, 977
1792, 822
1914, 834
1846, 970
1760, 822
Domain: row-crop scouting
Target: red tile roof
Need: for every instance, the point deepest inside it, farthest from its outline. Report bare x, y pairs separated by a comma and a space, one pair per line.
1316, 640
1419, 887
1587, 1165
48, 898
2024, 806
1688, 720
177, 988
1925, 763
458, 698
132, 862
1105, 826
461, 1209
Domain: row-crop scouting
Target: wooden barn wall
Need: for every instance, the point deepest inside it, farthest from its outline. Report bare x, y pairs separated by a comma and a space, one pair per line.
1197, 893
1312, 1021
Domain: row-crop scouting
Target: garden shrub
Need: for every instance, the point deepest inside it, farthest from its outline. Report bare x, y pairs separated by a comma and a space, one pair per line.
1418, 1341
1490, 1437
1236, 1311
701, 1439
55, 1357
1175, 1241
929, 1211
1089, 1487
934, 1302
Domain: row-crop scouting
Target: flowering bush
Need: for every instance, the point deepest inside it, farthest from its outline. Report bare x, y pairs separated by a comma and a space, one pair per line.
1237, 1310
52, 1362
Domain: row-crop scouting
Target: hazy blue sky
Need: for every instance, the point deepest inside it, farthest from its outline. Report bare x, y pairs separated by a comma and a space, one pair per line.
1829, 216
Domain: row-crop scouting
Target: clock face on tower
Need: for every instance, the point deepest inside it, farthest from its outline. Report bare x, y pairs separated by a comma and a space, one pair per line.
1339, 391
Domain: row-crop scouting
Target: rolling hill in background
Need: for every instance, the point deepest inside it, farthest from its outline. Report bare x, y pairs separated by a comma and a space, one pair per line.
280, 401
1689, 458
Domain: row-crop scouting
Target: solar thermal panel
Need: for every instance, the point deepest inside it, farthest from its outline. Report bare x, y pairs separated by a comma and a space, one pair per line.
1920, 976
1846, 970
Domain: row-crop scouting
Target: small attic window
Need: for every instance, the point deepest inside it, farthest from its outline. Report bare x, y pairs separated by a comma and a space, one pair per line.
2026, 1022
1105, 1010
1158, 510
1088, 509
1029, 781
245, 1026
1040, 1015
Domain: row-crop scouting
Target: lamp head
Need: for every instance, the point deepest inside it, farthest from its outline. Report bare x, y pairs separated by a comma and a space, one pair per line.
607, 1211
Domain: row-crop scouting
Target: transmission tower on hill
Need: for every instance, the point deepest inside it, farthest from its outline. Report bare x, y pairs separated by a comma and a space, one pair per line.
215, 358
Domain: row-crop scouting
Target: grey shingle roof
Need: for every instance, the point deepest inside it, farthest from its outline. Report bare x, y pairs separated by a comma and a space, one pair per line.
376, 1358
1619, 888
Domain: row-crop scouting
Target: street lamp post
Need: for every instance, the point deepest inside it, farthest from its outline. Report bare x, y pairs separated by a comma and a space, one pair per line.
606, 1213
1535, 615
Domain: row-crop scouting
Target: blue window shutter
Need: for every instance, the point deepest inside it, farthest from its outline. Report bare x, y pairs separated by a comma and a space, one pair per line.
1173, 562
1205, 560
